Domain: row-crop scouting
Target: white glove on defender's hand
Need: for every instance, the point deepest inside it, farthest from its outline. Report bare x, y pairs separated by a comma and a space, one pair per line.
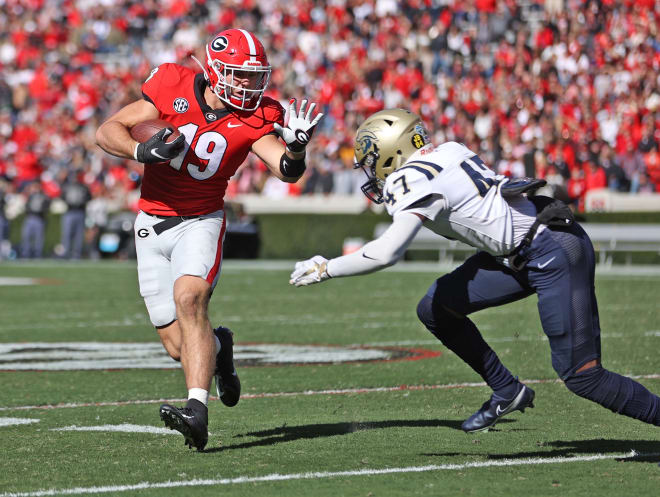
299, 126
311, 271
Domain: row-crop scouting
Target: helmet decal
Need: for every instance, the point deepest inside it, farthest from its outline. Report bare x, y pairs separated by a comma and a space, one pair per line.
219, 44
420, 137
417, 140
366, 140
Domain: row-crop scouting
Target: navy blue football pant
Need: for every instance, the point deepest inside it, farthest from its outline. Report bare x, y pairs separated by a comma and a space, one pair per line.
32, 236
560, 270
73, 233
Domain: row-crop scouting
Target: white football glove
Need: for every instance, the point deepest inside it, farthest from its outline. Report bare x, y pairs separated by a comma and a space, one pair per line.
299, 126
314, 270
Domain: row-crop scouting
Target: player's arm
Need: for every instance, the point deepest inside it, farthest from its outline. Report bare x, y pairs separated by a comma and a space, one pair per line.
288, 162
272, 152
113, 135
378, 254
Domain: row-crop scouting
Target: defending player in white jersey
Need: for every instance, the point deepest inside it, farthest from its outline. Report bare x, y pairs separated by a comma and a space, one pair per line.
525, 245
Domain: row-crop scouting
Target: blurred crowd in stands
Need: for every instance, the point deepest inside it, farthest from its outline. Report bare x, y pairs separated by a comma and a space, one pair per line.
566, 90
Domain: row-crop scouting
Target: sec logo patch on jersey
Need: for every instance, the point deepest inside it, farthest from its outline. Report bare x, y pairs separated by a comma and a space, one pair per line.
180, 105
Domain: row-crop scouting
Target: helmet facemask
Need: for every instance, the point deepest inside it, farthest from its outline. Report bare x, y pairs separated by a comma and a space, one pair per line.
226, 89
233, 56
373, 187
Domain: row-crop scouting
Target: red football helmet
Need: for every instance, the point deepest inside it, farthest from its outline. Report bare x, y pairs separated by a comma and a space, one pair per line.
237, 68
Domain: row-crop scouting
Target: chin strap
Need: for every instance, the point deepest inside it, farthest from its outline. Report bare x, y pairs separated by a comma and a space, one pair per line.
206, 74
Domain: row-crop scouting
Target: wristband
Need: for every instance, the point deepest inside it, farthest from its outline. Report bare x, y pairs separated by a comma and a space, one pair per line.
291, 168
135, 155
323, 270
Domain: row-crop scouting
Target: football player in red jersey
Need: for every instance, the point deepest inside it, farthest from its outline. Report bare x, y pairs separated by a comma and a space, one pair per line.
222, 115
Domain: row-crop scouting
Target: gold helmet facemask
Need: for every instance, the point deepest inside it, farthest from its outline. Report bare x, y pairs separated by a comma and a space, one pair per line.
383, 143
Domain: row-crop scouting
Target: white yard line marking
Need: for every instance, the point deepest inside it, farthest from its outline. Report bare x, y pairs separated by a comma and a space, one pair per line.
343, 391
233, 265
324, 474
17, 421
122, 428
9, 281
520, 338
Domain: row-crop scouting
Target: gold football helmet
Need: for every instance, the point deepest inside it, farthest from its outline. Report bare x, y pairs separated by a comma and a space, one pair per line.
383, 143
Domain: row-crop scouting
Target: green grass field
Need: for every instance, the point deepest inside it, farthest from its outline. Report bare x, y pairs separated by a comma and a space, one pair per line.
364, 428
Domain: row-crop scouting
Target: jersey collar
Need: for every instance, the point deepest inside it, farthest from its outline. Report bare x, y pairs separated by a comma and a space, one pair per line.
211, 115
418, 154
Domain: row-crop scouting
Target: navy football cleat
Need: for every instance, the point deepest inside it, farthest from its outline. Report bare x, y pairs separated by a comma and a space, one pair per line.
496, 407
227, 383
189, 423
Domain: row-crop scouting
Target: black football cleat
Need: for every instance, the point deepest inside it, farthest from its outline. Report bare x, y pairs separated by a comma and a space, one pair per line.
227, 383
496, 407
188, 423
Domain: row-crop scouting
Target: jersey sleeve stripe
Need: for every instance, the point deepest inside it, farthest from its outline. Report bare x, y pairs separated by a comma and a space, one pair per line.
429, 170
432, 165
428, 174
148, 98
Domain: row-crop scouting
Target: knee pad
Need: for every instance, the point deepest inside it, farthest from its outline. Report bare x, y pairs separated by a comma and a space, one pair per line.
437, 318
160, 313
425, 312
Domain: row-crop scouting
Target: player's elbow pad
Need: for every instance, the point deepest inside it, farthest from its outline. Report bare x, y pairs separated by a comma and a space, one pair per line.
292, 168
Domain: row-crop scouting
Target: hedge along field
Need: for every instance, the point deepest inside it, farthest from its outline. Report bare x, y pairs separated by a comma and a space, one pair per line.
292, 236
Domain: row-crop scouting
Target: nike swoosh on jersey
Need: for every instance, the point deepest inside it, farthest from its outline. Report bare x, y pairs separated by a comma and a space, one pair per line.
367, 257
232, 125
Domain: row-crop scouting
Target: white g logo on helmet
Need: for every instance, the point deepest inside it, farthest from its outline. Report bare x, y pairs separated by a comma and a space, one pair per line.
219, 44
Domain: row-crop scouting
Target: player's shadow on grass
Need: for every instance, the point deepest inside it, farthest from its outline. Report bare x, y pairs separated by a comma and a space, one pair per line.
649, 451
292, 433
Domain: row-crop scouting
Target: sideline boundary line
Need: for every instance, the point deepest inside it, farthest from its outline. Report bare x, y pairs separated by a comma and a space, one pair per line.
344, 391
326, 474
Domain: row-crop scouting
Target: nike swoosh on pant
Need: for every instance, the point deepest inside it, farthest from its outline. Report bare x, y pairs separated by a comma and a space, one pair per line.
541, 266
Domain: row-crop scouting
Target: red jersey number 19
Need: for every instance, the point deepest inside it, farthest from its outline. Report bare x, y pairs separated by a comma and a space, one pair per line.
211, 146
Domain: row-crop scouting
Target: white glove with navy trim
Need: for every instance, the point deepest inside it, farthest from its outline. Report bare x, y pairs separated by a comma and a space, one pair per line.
299, 126
314, 270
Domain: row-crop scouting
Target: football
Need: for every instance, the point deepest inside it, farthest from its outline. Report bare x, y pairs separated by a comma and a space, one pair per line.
146, 129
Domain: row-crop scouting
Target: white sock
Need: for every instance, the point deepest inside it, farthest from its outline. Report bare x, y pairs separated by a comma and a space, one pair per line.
217, 344
199, 394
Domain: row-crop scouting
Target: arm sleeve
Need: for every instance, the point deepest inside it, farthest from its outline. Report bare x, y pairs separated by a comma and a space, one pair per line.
379, 253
